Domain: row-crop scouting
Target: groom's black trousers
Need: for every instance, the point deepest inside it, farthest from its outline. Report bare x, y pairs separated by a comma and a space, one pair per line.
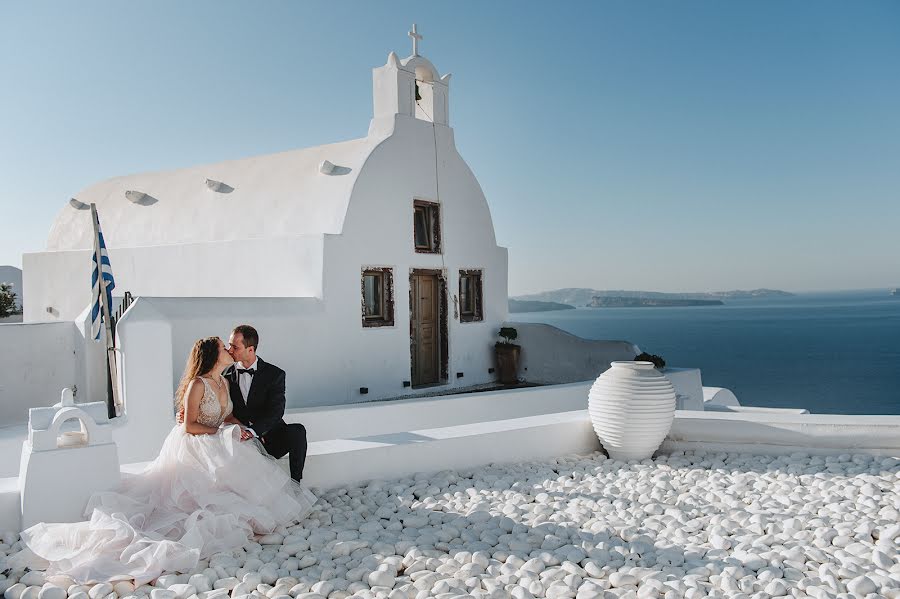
291, 439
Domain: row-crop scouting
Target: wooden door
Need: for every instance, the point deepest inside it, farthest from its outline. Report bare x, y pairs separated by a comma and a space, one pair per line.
425, 329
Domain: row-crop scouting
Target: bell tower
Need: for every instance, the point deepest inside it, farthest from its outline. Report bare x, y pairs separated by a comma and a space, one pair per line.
411, 87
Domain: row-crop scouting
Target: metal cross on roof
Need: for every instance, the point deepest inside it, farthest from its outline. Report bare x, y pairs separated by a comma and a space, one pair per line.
415, 39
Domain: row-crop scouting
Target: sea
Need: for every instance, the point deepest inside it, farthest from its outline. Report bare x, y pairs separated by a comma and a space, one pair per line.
831, 353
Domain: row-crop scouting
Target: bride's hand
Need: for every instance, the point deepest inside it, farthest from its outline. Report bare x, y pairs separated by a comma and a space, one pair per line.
245, 434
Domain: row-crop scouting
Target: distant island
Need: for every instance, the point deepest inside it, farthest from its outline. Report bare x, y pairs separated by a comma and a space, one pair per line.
581, 296
647, 302
536, 306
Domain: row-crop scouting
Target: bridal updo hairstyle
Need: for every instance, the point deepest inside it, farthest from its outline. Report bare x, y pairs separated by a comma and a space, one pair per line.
202, 358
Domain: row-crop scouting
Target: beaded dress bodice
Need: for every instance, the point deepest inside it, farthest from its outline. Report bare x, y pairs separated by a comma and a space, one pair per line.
211, 413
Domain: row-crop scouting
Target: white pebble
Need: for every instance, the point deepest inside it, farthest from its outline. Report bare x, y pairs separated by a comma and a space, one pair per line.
271, 539
167, 580
34, 578
50, 591
381, 578
183, 591
226, 583
123, 588
99, 591
862, 586
200, 582
15, 591
618, 579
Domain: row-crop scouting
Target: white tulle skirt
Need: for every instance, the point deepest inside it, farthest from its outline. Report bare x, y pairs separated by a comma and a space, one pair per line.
204, 494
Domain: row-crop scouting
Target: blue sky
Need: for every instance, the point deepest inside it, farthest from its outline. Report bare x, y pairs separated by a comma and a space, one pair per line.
646, 145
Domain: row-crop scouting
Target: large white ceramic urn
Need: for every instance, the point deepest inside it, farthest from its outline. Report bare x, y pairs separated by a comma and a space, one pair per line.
631, 406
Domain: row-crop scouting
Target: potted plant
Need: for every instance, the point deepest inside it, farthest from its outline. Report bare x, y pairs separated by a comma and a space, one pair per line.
658, 362
507, 354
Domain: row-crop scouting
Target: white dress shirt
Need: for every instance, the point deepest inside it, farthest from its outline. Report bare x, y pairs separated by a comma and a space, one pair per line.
245, 379
244, 382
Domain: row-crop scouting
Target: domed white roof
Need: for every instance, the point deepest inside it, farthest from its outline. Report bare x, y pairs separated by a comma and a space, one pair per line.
278, 195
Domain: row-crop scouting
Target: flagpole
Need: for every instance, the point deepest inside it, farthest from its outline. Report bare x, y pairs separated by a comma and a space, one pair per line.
104, 303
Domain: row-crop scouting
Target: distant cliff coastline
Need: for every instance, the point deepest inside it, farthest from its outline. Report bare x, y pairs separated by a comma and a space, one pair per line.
536, 306
647, 302
580, 296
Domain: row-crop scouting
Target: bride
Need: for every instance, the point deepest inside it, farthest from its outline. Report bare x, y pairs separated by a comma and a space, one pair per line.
208, 491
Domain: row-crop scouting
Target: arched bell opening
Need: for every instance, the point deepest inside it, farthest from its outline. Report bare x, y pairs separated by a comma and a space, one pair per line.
424, 93
75, 436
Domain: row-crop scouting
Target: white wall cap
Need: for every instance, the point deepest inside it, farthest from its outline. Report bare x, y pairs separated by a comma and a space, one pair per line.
844, 432
147, 313
40, 419
43, 435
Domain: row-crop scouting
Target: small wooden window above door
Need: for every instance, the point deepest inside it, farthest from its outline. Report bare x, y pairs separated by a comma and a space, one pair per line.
427, 227
377, 297
470, 296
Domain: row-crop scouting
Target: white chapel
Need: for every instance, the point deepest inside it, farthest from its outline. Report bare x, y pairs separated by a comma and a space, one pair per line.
369, 267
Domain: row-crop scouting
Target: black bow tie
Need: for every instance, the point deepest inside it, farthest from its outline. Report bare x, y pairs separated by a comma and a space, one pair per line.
250, 371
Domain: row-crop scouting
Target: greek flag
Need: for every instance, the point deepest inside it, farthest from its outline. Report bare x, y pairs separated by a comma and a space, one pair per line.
101, 263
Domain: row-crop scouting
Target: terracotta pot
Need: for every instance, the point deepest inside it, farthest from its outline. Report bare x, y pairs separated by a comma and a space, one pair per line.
632, 407
507, 363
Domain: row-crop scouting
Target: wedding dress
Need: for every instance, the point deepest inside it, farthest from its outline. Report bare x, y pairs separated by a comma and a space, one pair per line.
204, 494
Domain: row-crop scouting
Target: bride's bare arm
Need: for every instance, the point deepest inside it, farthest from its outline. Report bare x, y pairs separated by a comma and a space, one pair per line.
192, 411
230, 419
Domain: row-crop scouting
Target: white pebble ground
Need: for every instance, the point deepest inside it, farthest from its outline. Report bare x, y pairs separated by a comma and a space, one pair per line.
683, 525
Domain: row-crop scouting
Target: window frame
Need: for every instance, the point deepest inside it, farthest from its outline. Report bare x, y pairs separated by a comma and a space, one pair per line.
386, 276
477, 313
432, 212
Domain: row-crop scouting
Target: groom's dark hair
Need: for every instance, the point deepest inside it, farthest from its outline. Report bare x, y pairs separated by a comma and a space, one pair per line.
251, 337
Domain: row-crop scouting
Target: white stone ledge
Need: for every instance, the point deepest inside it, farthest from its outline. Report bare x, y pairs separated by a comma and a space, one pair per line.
708, 407
352, 420
337, 462
782, 433
383, 417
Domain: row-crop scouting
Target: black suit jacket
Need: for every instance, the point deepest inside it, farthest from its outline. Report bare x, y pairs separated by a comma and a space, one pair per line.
264, 408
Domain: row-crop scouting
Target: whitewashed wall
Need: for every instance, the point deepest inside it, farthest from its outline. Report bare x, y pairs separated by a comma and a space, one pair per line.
400, 170
322, 368
46, 358
321, 343
38, 361
551, 355
279, 267
144, 336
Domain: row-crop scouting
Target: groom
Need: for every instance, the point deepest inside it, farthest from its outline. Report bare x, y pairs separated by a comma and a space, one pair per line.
257, 392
